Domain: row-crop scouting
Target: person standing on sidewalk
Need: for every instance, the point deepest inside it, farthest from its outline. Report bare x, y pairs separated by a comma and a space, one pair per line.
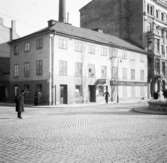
19, 100
106, 95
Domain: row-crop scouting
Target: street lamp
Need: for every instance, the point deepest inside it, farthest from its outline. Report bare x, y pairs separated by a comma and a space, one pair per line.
119, 59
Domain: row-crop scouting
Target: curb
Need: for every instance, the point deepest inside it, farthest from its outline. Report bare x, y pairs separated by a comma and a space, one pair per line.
146, 110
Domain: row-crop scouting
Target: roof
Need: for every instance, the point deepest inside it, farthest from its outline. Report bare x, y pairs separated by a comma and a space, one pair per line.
86, 34
91, 35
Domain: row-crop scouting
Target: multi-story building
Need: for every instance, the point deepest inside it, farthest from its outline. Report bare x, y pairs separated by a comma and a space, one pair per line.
67, 64
141, 22
6, 34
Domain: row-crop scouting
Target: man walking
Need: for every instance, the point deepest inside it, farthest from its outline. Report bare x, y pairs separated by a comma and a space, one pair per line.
19, 100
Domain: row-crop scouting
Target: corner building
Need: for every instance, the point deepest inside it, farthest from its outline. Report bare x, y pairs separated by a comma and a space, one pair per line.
141, 22
67, 64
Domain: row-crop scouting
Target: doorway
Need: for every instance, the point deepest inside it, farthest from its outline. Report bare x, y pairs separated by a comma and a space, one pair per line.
63, 94
92, 93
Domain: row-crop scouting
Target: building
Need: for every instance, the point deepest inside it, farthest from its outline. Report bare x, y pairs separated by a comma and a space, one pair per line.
6, 35
141, 22
67, 64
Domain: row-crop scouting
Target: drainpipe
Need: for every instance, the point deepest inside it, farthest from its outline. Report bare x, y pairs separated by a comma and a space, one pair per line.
51, 70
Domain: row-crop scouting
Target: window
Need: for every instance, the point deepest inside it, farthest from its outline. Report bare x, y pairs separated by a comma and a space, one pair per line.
100, 90
132, 74
91, 49
142, 94
39, 87
148, 8
124, 74
133, 91
152, 10
26, 69
114, 73
157, 45
26, 87
163, 68
157, 14
124, 91
78, 91
78, 46
62, 68
163, 50
91, 70
78, 69
39, 43
63, 43
103, 51
162, 16
16, 70
16, 50
142, 75
39, 67
27, 47
104, 72
157, 66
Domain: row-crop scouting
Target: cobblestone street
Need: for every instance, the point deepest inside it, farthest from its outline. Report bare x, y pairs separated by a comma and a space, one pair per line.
89, 134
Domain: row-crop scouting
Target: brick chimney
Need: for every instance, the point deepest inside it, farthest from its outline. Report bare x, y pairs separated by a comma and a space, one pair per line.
62, 11
13, 30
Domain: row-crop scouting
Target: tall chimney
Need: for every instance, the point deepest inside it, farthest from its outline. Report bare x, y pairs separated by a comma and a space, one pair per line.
62, 11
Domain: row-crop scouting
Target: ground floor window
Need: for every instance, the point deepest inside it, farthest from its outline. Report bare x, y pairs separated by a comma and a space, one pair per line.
78, 91
100, 90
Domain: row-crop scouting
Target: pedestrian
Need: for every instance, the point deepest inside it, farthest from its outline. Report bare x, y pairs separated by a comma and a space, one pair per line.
106, 95
19, 101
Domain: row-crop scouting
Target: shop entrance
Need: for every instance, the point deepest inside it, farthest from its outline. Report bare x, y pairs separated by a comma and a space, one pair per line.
63, 94
92, 93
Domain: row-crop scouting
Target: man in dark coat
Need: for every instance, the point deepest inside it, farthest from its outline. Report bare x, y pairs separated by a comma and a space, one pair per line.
106, 95
19, 100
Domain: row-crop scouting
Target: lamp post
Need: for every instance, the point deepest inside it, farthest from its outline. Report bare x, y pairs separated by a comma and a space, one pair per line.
118, 60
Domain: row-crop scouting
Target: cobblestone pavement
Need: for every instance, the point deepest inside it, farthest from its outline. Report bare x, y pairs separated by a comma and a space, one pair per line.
91, 134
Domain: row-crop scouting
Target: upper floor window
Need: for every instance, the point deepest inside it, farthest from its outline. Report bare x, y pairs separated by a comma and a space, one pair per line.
26, 69
91, 49
124, 74
132, 74
91, 70
157, 66
114, 72
152, 10
39, 43
78, 69
104, 72
163, 68
63, 43
16, 50
27, 47
142, 75
163, 50
16, 70
103, 51
162, 16
39, 67
157, 14
157, 45
62, 68
78, 46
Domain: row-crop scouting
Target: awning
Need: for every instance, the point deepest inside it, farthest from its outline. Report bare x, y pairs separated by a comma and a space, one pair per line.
100, 82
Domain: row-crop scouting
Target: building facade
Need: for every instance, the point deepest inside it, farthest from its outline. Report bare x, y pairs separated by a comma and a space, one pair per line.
66, 64
141, 22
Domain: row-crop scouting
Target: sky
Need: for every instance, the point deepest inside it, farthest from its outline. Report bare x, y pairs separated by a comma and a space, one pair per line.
32, 15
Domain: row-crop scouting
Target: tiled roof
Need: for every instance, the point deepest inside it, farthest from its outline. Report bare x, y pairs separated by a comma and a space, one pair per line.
87, 34
94, 36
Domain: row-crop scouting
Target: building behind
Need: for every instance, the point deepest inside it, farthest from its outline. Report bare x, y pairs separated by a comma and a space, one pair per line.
63, 64
6, 35
142, 22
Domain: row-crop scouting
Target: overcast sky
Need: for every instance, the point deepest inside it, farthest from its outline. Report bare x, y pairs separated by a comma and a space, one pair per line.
32, 15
